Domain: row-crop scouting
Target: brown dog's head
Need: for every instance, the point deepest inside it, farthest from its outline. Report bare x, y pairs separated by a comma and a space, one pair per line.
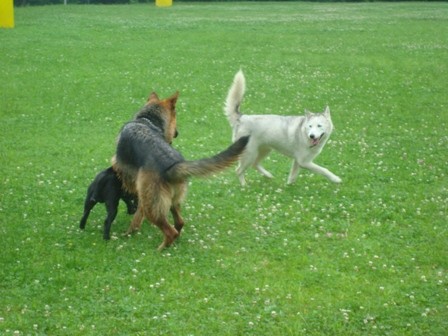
162, 113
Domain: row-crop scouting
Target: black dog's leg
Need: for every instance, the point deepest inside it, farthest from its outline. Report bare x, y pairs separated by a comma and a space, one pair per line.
88, 206
112, 209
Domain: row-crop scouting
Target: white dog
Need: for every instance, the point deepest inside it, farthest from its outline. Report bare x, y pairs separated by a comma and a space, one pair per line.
299, 137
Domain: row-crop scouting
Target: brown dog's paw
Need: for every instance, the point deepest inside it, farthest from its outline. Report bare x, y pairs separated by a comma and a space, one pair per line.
169, 239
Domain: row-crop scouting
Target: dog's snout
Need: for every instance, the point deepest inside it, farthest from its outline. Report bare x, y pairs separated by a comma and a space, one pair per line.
312, 136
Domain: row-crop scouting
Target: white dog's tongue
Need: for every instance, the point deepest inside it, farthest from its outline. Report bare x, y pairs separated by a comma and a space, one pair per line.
316, 141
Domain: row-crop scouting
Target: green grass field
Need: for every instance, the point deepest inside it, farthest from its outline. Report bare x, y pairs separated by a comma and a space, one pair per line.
367, 257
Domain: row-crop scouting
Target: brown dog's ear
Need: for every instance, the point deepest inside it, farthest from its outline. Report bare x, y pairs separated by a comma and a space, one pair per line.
173, 99
153, 98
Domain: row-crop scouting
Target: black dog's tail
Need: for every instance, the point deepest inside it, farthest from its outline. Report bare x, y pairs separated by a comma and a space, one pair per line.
208, 166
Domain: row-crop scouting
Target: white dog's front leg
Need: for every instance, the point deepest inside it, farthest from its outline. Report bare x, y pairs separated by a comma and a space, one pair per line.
323, 171
294, 172
263, 171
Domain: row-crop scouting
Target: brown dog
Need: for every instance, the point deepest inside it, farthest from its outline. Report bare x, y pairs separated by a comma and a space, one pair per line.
150, 168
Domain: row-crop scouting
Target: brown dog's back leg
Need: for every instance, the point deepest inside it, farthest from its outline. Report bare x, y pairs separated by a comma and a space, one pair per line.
157, 214
155, 201
179, 195
169, 232
178, 220
136, 223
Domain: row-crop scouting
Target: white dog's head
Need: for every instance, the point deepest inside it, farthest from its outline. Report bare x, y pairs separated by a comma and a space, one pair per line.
318, 127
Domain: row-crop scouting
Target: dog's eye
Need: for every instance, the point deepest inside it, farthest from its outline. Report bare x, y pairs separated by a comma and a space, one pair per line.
320, 126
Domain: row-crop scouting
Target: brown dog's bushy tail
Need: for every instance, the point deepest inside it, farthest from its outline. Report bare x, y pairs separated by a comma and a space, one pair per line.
207, 166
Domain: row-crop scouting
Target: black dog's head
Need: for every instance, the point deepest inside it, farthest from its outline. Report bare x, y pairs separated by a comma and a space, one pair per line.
131, 202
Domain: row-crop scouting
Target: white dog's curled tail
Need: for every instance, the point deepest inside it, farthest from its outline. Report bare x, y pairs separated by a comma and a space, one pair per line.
235, 98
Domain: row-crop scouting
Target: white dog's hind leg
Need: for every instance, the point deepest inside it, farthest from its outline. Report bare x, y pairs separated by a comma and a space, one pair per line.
246, 160
242, 167
261, 155
323, 171
294, 172
242, 180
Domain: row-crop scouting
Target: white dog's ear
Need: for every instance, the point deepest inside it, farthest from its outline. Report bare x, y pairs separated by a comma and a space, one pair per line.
308, 114
327, 112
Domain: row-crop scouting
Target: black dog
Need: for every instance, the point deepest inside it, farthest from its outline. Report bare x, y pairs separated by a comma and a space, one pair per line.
107, 188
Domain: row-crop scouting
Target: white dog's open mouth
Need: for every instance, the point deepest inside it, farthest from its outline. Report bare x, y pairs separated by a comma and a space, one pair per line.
315, 141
